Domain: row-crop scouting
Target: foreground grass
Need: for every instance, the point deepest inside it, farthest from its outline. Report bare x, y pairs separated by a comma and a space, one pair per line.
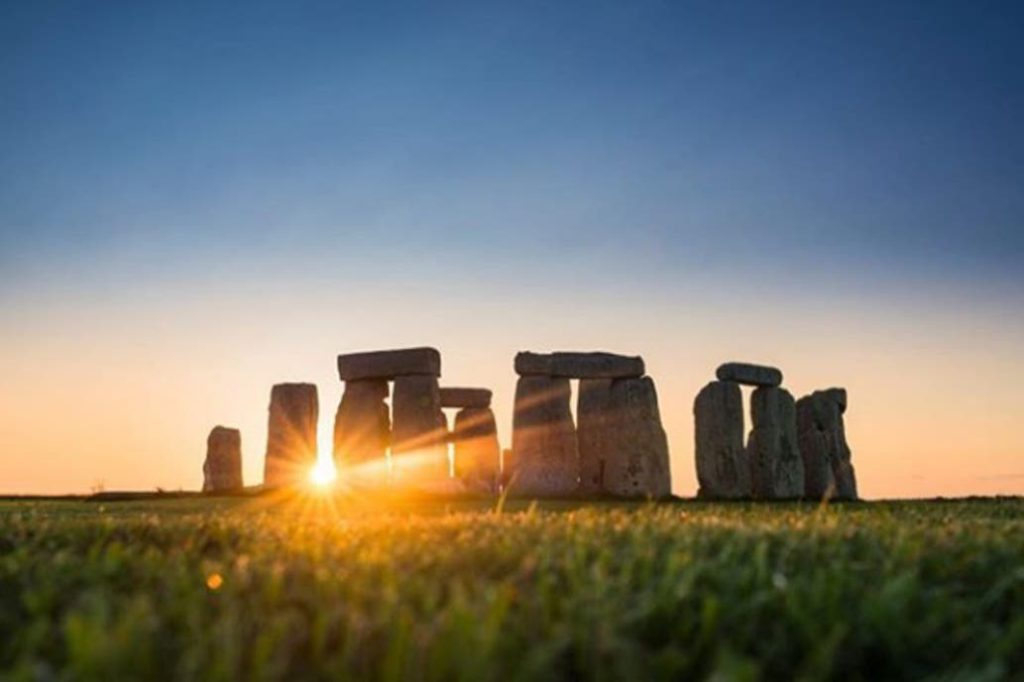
241, 589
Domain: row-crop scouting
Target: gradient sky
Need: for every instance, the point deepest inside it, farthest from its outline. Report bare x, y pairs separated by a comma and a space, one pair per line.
201, 199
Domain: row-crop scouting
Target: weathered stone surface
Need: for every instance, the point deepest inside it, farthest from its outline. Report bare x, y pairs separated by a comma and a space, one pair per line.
579, 365
389, 364
362, 425
777, 469
477, 454
291, 434
465, 397
827, 458
638, 463
593, 433
222, 470
419, 431
752, 375
544, 439
723, 469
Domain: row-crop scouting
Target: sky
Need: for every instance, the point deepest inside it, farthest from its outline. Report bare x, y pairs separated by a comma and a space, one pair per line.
201, 199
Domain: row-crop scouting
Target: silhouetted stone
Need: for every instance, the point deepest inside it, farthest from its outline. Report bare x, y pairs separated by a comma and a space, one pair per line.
637, 464
579, 365
465, 397
362, 425
723, 469
291, 434
777, 469
544, 438
593, 433
222, 470
751, 375
389, 364
419, 430
477, 455
826, 454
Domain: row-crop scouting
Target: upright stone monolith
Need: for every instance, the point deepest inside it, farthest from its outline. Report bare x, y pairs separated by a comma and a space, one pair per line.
826, 454
637, 462
419, 431
593, 433
222, 470
544, 438
362, 426
723, 469
477, 454
291, 434
777, 469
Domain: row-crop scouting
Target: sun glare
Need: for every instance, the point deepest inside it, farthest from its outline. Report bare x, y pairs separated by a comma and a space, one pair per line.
323, 474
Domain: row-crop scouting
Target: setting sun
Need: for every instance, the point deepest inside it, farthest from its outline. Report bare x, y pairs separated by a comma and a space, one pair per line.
323, 474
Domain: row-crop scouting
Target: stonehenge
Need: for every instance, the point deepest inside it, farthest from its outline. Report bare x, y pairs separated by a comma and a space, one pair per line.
822, 438
222, 469
614, 445
619, 449
291, 434
415, 430
794, 449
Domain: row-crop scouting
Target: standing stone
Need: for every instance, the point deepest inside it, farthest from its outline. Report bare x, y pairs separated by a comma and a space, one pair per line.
544, 438
291, 434
753, 375
593, 433
222, 470
362, 425
826, 454
723, 469
777, 469
579, 365
477, 454
637, 464
419, 432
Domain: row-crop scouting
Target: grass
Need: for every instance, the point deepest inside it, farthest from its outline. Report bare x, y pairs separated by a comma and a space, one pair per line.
229, 589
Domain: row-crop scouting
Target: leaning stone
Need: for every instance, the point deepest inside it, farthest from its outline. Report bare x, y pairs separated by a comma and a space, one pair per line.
362, 426
579, 365
466, 397
593, 433
222, 470
723, 470
823, 445
544, 439
777, 469
291, 434
638, 463
752, 375
389, 364
419, 429
477, 454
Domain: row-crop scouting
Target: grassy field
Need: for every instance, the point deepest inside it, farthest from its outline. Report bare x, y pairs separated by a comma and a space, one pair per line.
320, 588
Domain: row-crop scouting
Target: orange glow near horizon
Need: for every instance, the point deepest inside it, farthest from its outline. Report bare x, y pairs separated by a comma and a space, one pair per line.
934, 404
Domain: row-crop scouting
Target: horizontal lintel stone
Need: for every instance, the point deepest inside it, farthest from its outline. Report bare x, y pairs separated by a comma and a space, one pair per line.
465, 397
751, 375
388, 364
593, 365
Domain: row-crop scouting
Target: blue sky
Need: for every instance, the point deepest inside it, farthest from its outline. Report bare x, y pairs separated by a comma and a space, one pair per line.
859, 144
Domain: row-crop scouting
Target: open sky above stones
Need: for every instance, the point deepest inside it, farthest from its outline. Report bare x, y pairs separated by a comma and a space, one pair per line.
199, 200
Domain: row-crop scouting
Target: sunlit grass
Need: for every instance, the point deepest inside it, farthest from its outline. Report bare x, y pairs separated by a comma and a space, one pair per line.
352, 585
